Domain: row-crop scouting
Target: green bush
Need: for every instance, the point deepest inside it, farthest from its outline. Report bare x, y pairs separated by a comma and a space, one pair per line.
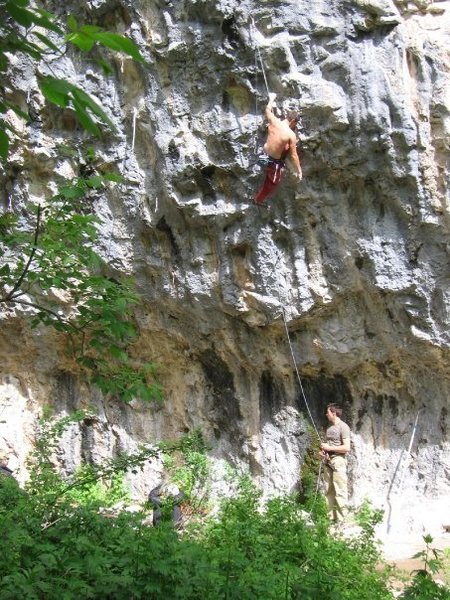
246, 552
54, 548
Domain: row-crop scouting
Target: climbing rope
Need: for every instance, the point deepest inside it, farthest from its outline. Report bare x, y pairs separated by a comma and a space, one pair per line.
298, 375
408, 452
402, 469
255, 149
307, 408
316, 491
258, 54
258, 57
134, 129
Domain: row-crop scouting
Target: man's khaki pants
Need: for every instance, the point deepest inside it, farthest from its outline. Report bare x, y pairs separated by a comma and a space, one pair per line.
335, 475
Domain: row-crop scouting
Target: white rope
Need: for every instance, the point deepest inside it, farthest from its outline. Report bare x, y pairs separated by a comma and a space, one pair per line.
263, 70
298, 375
321, 463
402, 474
260, 59
413, 434
256, 101
134, 128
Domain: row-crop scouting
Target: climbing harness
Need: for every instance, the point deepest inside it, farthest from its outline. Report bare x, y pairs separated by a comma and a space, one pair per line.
274, 168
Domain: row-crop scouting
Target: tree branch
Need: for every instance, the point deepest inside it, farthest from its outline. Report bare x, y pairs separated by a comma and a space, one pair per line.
67, 326
18, 283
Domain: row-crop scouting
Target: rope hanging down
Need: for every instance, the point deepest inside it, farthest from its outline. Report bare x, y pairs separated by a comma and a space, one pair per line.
402, 474
307, 406
298, 375
258, 53
134, 129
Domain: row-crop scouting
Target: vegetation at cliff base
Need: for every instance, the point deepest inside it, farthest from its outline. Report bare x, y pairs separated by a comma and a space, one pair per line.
59, 542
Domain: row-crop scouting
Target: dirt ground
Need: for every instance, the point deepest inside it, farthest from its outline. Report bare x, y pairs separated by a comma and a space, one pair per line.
398, 553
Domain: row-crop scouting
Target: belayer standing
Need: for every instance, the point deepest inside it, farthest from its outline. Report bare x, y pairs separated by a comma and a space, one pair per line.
335, 451
281, 143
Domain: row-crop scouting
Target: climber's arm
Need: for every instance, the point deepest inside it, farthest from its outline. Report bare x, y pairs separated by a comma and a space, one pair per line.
293, 155
269, 108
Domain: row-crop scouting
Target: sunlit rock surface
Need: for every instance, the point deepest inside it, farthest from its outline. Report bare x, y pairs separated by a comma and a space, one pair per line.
354, 258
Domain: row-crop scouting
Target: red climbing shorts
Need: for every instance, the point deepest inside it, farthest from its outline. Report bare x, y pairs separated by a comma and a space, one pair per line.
274, 172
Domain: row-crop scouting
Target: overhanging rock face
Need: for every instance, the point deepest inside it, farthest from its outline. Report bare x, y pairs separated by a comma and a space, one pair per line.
355, 257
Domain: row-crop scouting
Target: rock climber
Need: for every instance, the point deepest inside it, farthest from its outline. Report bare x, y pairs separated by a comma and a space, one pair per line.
281, 143
173, 497
334, 453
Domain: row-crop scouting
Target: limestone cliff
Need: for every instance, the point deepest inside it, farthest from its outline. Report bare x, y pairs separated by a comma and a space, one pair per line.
355, 256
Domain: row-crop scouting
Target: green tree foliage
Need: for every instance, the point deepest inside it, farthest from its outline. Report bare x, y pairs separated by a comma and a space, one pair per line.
58, 545
30, 30
189, 469
49, 263
423, 586
311, 467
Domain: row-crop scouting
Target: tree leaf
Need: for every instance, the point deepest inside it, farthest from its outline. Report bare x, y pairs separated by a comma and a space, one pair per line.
72, 23
81, 40
55, 90
90, 29
27, 47
88, 102
47, 42
106, 66
46, 20
119, 43
84, 117
71, 191
3, 61
19, 112
21, 3
118, 353
95, 182
115, 177
4, 144
67, 150
20, 15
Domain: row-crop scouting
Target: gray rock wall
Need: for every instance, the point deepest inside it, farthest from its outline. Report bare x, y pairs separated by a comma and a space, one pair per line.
355, 257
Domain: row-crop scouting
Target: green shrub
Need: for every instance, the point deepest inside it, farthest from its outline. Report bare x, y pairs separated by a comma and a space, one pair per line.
57, 549
423, 586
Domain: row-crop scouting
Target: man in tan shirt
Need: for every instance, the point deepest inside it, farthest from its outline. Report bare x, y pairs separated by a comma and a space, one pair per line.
334, 451
281, 143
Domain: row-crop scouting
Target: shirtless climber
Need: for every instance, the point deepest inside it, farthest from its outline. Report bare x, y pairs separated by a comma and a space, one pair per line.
281, 143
